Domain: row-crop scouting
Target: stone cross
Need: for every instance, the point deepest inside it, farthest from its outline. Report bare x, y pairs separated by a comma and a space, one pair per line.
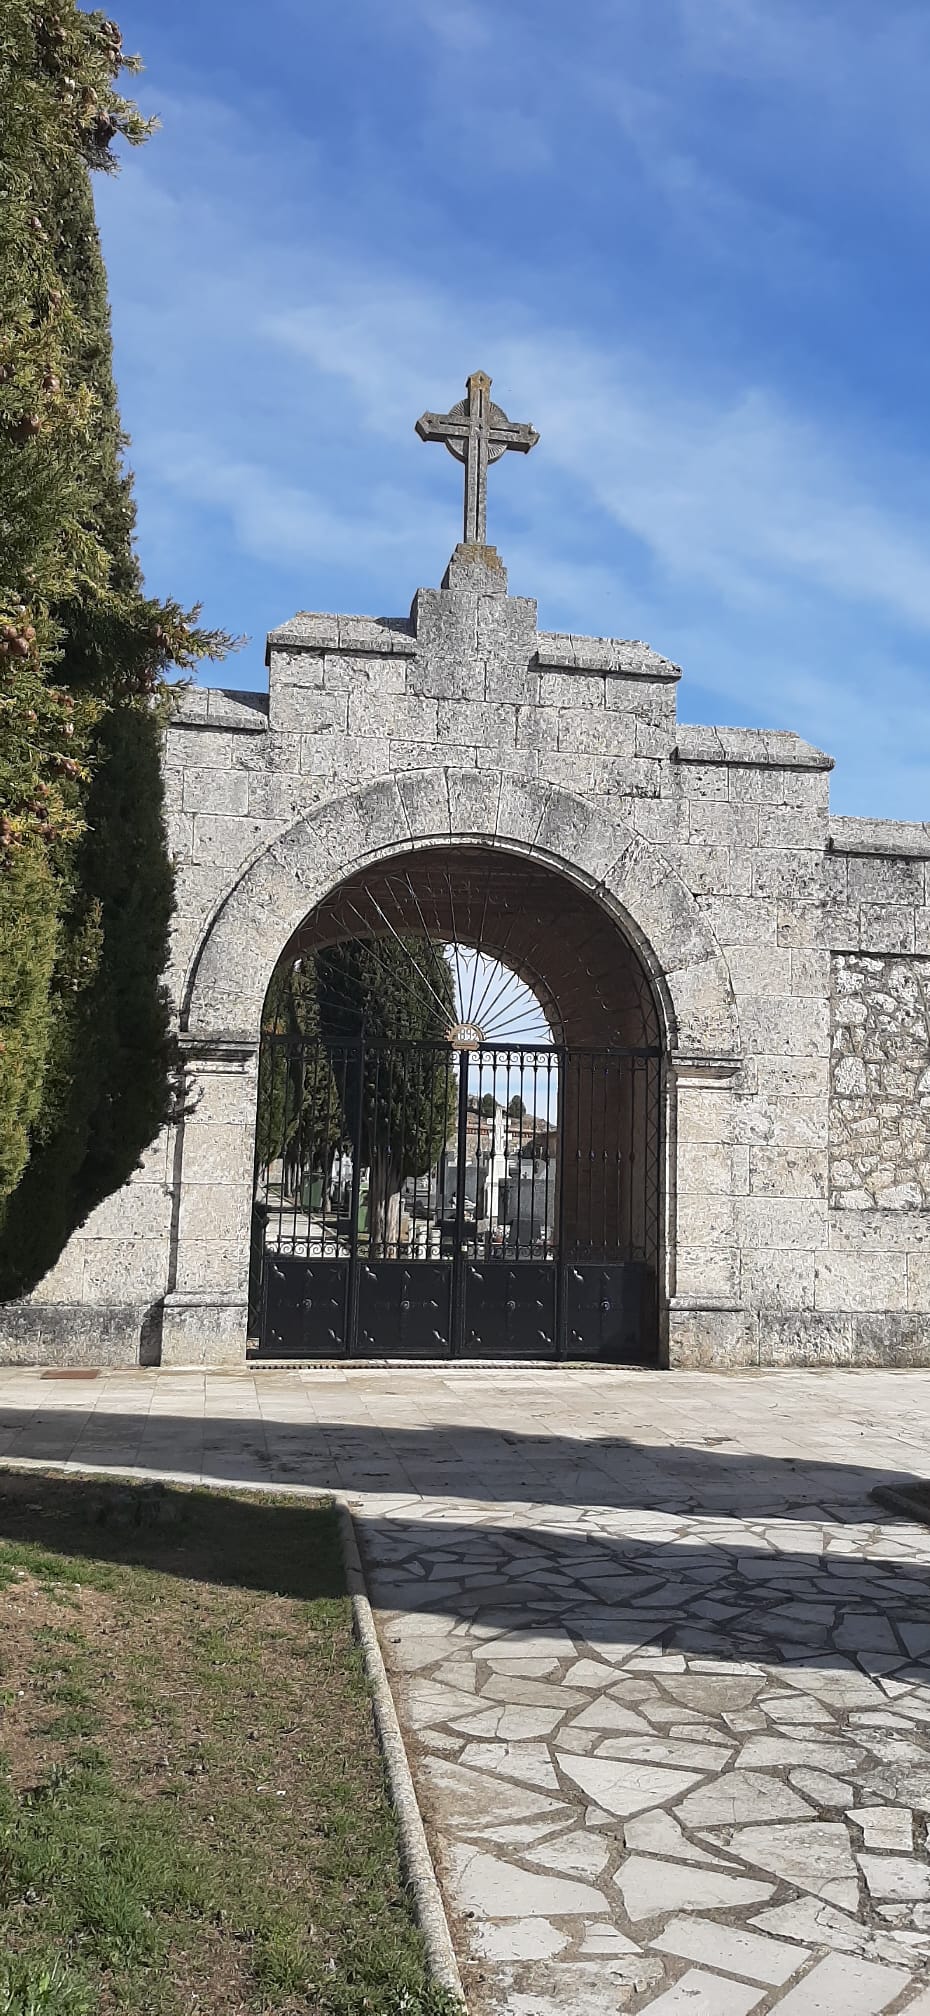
476, 432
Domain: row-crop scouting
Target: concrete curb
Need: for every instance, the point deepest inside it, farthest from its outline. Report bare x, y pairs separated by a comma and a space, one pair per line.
418, 1862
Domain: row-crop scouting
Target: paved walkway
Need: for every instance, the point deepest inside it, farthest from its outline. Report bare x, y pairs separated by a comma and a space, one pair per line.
663, 1666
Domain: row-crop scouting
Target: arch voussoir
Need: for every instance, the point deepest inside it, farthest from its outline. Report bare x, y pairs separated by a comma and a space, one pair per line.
446, 806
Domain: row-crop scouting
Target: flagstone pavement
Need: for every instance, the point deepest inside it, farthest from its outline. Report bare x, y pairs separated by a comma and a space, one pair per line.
662, 1665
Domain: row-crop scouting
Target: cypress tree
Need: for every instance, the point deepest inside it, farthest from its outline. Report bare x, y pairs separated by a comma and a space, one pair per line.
398, 990
85, 880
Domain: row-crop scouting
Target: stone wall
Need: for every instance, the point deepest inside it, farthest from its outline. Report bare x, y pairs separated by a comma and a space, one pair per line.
786, 947
880, 1083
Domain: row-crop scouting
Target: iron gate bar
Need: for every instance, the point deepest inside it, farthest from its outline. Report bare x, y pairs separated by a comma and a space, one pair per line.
572, 1190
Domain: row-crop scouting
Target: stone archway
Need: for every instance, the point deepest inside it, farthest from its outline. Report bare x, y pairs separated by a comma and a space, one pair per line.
597, 858
635, 883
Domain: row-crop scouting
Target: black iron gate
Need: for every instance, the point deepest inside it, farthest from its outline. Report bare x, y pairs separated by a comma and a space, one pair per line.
427, 1199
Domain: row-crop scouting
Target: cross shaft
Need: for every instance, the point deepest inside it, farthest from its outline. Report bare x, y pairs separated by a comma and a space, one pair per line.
477, 433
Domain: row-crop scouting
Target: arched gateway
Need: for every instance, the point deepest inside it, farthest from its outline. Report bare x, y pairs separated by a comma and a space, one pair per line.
677, 1102
575, 977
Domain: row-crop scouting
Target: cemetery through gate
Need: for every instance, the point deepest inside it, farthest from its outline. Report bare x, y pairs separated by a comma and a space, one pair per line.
678, 1108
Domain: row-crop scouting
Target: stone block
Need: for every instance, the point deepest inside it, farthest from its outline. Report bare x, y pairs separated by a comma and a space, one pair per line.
648, 700
505, 630
279, 750
537, 728
786, 873
781, 1171
213, 1211
801, 790
703, 1009
705, 1169
805, 1337
136, 1211
786, 1026
473, 802
205, 749
521, 808
173, 789
224, 790
707, 870
698, 780
810, 972
887, 927
204, 1329
799, 1223
891, 1339
706, 1114
784, 828
342, 761
179, 834
918, 1279
477, 722
793, 1077
302, 710
759, 970
711, 1271
226, 842
217, 1151
577, 833
447, 677
715, 822
379, 676
112, 1265
511, 685
72, 1333
577, 691
709, 1339
777, 1279
281, 799
295, 668
782, 1121
217, 1265
586, 733
884, 880
813, 925
221, 1097
424, 795
703, 1219
741, 920
662, 821
859, 1282
403, 716
63, 1283
651, 740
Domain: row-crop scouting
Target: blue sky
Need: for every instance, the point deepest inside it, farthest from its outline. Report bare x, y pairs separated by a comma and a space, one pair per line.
687, 238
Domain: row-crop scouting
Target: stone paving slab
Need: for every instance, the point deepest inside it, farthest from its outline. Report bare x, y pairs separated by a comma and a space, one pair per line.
663, 1666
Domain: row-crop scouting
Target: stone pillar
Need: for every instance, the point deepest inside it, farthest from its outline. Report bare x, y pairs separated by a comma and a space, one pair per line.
707, 1172
206, 1307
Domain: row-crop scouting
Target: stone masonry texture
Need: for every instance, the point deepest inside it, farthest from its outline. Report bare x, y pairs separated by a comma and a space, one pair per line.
788, 951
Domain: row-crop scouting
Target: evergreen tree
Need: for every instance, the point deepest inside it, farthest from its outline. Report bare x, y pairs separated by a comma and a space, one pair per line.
85, 1064
300, 1114
398, 991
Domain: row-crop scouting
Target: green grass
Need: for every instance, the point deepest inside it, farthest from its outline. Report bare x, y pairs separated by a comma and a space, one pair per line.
193, 1814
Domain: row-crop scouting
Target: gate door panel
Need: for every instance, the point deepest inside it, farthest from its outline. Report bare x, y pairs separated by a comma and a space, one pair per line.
510, 1312
304, 1307
609, 1313
404, 1309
